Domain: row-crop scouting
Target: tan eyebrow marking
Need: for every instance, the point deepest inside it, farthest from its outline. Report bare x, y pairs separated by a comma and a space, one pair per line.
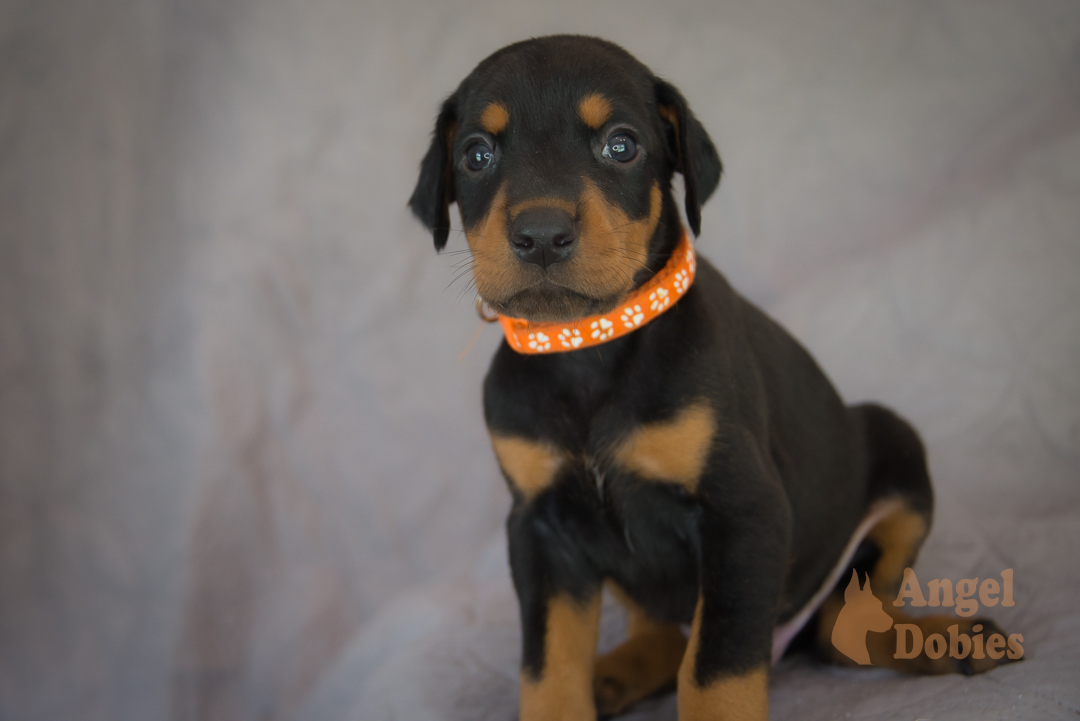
495, 118
595, 110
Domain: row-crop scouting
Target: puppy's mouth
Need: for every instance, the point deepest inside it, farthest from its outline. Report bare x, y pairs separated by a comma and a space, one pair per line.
555, 260
548, 302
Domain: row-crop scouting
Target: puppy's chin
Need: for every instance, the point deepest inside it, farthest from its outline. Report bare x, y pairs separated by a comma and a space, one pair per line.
552, 304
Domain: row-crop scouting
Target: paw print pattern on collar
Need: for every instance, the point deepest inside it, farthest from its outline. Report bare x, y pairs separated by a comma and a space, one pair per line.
643, 305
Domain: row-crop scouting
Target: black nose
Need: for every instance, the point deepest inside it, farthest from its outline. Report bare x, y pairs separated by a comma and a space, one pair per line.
543, 235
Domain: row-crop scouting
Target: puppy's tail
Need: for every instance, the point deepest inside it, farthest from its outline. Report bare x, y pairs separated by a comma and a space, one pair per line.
896, 459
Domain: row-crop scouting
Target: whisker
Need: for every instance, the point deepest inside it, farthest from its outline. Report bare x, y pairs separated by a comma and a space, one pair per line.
461, 274
471, 285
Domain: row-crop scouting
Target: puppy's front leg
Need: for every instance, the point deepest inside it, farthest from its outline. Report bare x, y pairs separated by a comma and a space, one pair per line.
744, 530
560, 620
561, 689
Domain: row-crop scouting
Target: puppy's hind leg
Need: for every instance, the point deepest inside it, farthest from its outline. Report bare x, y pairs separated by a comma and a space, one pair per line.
897, 469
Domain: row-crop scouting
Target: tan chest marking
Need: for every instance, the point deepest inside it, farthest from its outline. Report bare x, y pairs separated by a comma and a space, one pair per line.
674, 451
530, 465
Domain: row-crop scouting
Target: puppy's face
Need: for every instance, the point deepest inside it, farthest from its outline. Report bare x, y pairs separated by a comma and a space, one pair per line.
559, 153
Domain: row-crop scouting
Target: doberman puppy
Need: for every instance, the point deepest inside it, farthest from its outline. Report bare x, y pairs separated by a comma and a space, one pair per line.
698, 462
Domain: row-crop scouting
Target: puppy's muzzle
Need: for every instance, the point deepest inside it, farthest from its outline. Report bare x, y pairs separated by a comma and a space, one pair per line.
543, 236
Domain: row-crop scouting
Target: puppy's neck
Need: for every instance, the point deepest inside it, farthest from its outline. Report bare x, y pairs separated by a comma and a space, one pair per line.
669, 231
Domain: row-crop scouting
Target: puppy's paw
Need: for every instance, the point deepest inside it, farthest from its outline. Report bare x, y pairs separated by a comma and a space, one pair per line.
970, 664
611, 693
949, 645
640, 667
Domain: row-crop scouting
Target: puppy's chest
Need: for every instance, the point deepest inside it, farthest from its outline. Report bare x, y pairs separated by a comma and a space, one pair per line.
672, 450
605, 479
639, 532
608, 464
553, 435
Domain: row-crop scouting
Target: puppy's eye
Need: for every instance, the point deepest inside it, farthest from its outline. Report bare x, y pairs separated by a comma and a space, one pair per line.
478, 156
621, 147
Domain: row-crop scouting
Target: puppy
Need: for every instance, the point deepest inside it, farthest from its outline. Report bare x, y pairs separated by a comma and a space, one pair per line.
659, 434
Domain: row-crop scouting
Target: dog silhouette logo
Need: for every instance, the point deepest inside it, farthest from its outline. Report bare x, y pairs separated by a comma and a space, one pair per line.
862, 612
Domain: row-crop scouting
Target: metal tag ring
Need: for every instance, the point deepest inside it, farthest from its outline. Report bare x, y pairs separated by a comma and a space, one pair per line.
480, 312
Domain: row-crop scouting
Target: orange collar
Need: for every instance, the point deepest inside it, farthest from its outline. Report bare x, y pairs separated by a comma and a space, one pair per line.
643, 305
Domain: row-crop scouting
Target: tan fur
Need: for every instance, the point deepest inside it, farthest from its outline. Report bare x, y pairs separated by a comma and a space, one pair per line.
611, 249
560, 203
563, 692
674, 451
728, 698
492, 255
608, 236
881, 647
531, 466
642, 665
898, 536
495, 118
594, 110
670, 114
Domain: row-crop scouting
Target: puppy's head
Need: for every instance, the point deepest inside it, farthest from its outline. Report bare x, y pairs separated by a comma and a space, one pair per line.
559, 152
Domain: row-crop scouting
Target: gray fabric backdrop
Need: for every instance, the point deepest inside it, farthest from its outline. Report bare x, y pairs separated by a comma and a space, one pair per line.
243, 472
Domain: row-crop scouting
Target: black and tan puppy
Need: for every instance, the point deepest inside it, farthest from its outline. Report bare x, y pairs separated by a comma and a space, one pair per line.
700, 464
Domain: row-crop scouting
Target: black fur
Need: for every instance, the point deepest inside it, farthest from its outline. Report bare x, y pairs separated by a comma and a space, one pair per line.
696, 155
791, 470
688, 148
434, 192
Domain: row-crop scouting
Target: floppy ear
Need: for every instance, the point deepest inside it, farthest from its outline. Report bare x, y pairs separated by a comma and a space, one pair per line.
430, 201
696, 156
